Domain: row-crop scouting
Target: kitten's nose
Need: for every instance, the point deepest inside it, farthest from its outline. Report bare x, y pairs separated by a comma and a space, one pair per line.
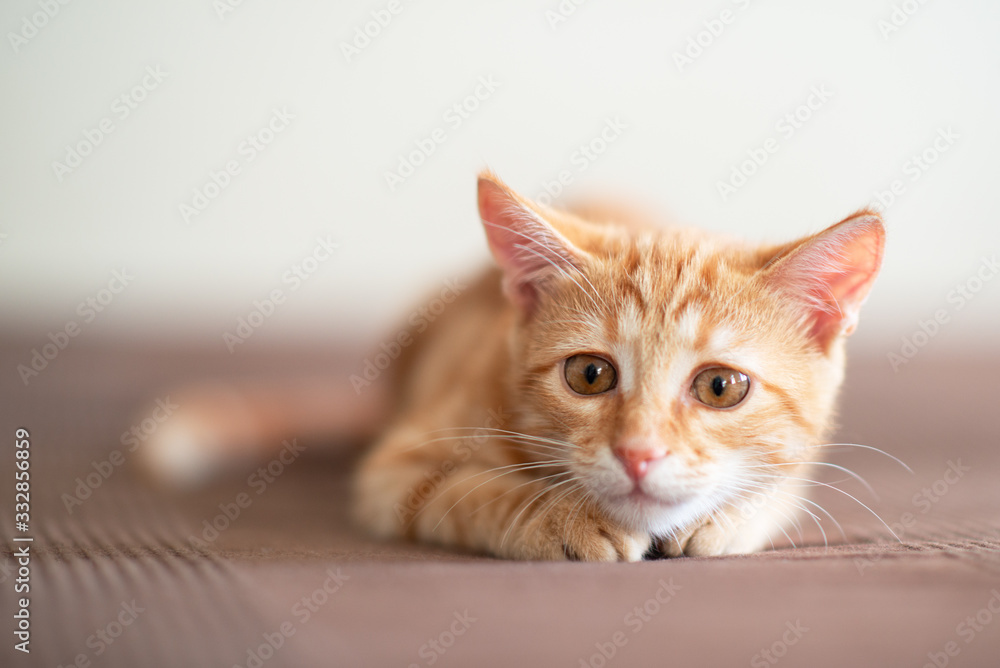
636, 458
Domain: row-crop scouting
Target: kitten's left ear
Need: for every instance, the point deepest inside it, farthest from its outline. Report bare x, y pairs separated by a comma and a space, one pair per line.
829, 274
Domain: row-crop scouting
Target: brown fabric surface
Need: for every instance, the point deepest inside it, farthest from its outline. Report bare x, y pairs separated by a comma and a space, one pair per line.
864, 600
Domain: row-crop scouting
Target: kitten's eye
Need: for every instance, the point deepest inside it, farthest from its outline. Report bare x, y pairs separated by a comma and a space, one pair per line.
589, 374
720, 387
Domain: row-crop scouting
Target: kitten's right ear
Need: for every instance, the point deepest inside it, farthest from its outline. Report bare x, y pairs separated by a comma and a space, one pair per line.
528, 249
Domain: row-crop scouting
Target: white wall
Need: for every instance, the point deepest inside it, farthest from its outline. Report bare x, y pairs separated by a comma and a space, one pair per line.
324, 173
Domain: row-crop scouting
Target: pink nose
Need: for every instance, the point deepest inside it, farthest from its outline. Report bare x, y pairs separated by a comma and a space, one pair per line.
636, 459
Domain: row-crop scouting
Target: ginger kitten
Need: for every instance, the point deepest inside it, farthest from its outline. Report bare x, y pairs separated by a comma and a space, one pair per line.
610, 391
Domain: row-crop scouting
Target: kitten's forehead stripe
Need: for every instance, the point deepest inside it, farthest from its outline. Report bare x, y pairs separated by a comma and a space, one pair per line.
634, 293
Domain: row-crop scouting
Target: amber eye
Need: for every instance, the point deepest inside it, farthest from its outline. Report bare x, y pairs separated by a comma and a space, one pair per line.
589, 374
720, 387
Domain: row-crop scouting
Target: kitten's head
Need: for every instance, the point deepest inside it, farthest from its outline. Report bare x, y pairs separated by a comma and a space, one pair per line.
682, 370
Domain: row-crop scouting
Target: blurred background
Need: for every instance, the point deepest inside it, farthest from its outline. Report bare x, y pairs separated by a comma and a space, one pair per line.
364, 124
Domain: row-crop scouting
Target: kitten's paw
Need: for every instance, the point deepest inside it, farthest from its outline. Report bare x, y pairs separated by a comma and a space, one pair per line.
701, 540
574, 532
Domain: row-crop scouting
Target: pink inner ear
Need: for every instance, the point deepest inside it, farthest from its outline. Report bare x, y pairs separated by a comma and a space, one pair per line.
862, 256
832, 273
525, 246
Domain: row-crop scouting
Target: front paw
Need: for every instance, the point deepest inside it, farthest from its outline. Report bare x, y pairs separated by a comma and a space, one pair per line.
576, 530
707, 539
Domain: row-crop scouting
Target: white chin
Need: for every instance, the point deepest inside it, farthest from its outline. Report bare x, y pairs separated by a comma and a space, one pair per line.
658, 518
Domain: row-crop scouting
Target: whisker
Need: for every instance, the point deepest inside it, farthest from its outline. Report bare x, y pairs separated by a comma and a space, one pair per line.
834, 466
578, 506
544, 490
497, 432
526, 482
815, 518
524, 505
853, 498
778, 524
552, 504
516, 468
523, 439
866, 447
823, 510
532, 453
796, 497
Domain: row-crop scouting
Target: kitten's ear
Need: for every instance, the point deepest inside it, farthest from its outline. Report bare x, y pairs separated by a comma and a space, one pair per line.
528, 249
829, 274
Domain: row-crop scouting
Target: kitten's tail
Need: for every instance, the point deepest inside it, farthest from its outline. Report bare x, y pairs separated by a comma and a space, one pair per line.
218, 426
